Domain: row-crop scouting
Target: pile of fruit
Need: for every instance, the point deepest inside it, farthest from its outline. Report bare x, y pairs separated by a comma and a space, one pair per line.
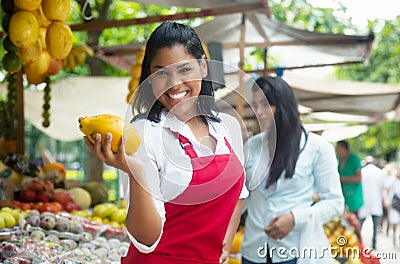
109, 213
344, 241
9, 217
59, 238
41, 195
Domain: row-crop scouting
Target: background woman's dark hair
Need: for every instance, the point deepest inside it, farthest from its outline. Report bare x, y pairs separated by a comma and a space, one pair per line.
167, 35
343, 144
287, 134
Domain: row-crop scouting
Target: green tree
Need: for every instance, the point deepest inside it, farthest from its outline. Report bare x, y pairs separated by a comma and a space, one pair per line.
385, 57
380, 141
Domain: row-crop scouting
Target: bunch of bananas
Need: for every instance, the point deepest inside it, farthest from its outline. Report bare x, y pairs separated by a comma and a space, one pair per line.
136, 71
77, 56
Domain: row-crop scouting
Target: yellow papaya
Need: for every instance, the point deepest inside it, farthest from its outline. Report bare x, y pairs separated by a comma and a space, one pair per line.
117, 126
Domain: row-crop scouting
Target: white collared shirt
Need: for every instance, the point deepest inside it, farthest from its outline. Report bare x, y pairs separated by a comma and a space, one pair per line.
168, 168
316, 171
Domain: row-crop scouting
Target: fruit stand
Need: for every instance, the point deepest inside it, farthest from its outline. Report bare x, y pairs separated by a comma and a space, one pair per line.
43, 218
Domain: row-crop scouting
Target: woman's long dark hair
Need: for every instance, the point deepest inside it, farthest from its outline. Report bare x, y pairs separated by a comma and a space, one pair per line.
288, 128
167, 35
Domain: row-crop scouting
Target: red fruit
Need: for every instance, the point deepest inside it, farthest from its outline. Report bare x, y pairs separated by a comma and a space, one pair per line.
71, 206
62, 196
49, 186
42, 196
28, 196
57, 207
48, 207
36, 185
25, 206
55, 67
37, 206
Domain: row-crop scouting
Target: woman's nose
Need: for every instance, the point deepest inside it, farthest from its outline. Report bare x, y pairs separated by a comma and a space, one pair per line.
174, 80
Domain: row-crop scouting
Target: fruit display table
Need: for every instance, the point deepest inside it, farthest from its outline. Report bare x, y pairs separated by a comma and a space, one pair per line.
59, 238
41, 221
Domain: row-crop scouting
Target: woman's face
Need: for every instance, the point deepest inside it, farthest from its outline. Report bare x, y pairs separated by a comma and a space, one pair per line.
263, 110
176, 79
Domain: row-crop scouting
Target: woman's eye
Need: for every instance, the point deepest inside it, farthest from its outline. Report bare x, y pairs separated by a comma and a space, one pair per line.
161, 73
185, 70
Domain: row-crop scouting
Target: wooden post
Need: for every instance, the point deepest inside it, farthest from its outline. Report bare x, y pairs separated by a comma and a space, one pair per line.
20, 114
240, 89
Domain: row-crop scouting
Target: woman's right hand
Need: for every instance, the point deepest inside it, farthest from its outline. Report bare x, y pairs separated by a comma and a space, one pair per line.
119, 160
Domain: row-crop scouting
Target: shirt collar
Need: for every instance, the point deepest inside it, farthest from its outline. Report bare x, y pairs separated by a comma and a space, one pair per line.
172, 122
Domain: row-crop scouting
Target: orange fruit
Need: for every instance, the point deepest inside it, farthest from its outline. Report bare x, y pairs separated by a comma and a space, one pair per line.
32, 76
23, 29
56, 9
32, 53
40, 66
54, 68
58, 40
11, 62
27, 5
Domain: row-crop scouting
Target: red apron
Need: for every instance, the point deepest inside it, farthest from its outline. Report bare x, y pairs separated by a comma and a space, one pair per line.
197, 220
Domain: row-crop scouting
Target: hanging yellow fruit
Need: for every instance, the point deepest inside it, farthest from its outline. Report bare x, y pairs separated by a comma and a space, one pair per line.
41, 64
42, 37
58, 40
32, 76
133, 84
23, 29
136, 71
40, 17
32, 53
56, 9
28, 5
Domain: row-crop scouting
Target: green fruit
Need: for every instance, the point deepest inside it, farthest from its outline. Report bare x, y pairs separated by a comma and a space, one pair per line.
11, 62
98, 192
8, 45
46, 123
81, 197
7, 6
5, 22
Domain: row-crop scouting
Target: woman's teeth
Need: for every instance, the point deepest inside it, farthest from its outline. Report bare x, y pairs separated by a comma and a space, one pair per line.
177, 96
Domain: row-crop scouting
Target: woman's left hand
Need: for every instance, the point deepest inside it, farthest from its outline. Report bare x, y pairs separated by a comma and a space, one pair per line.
280, 226
224, 259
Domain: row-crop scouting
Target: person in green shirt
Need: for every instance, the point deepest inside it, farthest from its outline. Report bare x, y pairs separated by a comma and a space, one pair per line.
349, 166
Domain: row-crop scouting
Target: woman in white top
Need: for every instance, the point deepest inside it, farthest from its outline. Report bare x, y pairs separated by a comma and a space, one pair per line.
184, 184
392, 187
285, 166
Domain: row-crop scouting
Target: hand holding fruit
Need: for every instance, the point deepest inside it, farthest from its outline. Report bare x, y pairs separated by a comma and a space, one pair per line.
127, 163
115, 125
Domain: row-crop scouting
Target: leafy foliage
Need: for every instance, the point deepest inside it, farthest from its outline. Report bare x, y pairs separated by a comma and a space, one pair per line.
384, 61
380, 141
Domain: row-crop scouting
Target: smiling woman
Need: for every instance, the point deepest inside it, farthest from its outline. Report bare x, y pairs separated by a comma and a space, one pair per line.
176, 77
184, 186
